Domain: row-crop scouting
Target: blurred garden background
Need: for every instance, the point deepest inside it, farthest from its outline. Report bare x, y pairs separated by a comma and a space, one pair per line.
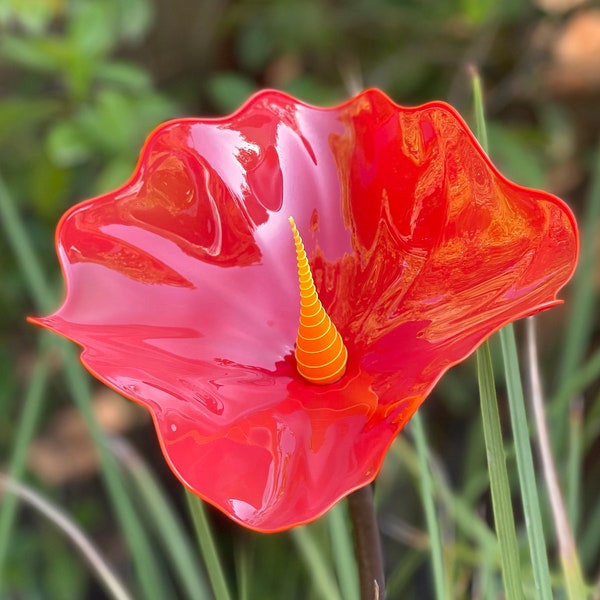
83, 82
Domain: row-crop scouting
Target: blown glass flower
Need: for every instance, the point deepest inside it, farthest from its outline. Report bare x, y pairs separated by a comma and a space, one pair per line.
182, 287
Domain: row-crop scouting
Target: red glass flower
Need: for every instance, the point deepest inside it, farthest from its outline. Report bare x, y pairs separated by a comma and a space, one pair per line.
183, 292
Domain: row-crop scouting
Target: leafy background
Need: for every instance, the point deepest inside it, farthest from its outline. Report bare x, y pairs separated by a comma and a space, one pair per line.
82, 83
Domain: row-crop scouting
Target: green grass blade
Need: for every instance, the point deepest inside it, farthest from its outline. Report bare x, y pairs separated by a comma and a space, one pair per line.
403, 574
26, 426
575, 384
499, 485
175, 544
105, 574
426, 489
573, 577
575, 454
243, 568
525, 465
16, 235
343, 552
479, 112
582, 297
208, 548
317, 565
578, 333
466, 519
146, 567
588, 544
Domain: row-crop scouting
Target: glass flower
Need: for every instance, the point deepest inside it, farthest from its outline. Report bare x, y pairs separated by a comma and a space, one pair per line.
182, 287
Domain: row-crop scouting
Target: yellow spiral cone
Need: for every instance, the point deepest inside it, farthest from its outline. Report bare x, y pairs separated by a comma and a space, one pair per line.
321, 355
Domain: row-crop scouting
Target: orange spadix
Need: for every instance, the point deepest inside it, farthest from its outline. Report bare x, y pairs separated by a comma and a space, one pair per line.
321, 355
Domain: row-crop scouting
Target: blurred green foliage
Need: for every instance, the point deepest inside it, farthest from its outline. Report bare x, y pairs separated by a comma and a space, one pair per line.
83, 82
70, 102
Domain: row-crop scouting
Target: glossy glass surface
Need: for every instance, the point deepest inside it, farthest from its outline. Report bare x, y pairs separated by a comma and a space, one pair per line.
182, 287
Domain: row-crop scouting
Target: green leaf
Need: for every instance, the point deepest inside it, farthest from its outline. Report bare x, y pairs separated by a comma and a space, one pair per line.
47, 55
229, 90
67, 144
124, 75
91, 30
34, 16
513, 152
19, 114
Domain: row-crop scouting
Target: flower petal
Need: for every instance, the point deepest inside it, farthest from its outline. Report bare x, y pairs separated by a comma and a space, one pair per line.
182, 288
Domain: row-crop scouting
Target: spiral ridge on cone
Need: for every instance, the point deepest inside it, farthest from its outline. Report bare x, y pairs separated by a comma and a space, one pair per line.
321, 355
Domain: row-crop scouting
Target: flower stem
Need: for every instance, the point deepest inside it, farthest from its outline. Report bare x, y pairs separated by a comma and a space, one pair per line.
367, 544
